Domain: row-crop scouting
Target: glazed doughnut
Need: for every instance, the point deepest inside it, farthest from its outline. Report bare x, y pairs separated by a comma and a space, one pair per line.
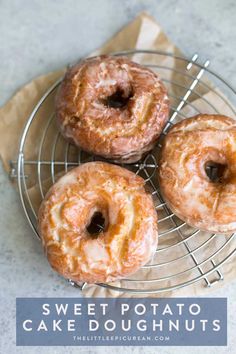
129, 236
201, 199
112, 107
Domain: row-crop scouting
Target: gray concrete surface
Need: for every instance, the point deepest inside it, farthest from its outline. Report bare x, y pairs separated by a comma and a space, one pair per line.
40, 36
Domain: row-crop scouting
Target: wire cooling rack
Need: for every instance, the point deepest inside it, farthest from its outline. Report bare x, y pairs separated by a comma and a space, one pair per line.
184, 255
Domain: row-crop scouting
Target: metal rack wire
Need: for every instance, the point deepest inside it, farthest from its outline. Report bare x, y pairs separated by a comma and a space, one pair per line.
198, 256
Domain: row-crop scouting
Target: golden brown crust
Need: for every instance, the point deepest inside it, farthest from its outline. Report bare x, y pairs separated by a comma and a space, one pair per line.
129, 239
122, 134
185, 186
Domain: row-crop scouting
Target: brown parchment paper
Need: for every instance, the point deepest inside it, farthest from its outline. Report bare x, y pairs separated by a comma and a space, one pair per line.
142, 33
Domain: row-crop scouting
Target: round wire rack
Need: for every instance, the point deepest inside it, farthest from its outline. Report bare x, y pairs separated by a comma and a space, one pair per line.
184, 255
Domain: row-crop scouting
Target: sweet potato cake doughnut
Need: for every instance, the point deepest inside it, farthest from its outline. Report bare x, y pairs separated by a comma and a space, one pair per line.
112, 107
98, 193
192, 149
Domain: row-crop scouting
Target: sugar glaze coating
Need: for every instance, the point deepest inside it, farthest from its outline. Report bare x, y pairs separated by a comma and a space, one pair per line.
112, 107
129, 238
187, 149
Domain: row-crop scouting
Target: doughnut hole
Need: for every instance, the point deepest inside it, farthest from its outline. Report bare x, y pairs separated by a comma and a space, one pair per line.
119, 99
97, 224
216, 172
94, 218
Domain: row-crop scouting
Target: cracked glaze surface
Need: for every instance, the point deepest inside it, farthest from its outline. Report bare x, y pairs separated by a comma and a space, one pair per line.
187, 189
123, 134
130, 236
